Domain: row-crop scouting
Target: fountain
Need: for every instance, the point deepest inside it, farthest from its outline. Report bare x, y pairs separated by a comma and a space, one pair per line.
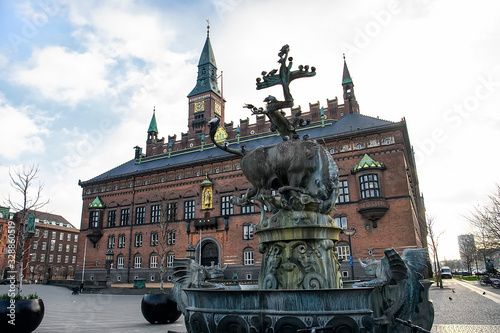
295, 184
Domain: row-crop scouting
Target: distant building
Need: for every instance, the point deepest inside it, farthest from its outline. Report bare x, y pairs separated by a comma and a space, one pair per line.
468, 252
53, 249
379, 189
5, 217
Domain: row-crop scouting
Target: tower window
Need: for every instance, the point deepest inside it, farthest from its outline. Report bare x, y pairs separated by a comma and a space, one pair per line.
226, 207
369, 186
343, 192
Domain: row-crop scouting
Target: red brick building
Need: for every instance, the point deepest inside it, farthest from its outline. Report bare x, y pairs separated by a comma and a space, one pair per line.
5, 217
379, 191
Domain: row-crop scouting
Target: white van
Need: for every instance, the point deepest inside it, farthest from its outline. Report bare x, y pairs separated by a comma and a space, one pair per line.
446, 272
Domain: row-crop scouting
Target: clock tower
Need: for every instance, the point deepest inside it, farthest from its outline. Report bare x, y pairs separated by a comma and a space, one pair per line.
205, 100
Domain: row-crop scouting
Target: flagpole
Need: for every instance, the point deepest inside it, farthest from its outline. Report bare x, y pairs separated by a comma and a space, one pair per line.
84, 256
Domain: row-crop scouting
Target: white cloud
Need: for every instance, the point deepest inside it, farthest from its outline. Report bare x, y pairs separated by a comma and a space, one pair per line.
25, 130
63, 75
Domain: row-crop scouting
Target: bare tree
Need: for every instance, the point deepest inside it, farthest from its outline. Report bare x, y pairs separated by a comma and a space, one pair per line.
467, 248
434, 236
166, 234
485, 223
23, 180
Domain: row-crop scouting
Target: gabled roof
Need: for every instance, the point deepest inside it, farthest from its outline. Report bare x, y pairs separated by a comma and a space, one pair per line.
349, 123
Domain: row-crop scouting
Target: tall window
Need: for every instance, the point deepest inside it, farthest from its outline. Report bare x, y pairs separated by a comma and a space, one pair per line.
75, 247
343, 252
137, 261
171, 238
44, 246
59, 247
68, 239
248, 209
42, 257
369, 186
341, 221
171, 211
170, 259
37, 232
54, 234
140, 215
189, 208
120, 261
226, 207
94, 219
248, 257
343, 192
111, 218
76, 238
67, 247
138, 240
61, 236
121, 241
111, 242
35, 245
248, 231
45, 233
125, 216
154, 238
153, 261
155, 213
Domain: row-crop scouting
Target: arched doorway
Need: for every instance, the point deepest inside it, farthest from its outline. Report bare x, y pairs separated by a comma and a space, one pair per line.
209, 253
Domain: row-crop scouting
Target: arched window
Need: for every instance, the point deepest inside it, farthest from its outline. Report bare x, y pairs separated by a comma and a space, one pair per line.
153, 260
248, 257
248, 231
137, 261
138, 240
343, 251
170, 259
120, 261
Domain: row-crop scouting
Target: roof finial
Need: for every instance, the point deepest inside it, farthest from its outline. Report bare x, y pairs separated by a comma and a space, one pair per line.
154, 107
343, 54
208, 27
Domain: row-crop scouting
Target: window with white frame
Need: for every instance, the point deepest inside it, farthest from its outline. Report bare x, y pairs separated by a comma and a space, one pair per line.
111, 242
35, 245
341, 221
76, 238
137, 261
140, 215
59, 248
248, 231
53, 235
33, 257
369, 186
153, 261
343, 192
155, 213
121, 241
248, 209
154, 238
52, 245
226, 207
171, 238
248, 258
120, 262
42, 257
73, 260
67, 247
343, 251
44, 246
45, 233
61, 236
170, 259
94, 219
51, 258
138, 240
37, 232
66, 259
125, 216
189, 209
75, 247
68, 239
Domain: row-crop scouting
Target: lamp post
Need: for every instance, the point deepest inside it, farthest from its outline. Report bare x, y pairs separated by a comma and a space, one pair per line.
190, 252
350, 232
109, 260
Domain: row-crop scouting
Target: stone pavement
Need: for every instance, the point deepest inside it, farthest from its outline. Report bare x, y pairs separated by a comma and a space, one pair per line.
468, 310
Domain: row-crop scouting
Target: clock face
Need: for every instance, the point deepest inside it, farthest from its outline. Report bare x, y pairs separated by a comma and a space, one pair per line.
217, 108
199, 106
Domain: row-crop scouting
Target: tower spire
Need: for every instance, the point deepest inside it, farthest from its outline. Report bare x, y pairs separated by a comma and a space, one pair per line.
348, 86
153, 128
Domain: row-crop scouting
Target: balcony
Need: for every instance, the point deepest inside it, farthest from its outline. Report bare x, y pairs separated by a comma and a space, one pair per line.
209, 223
94, 235
373, 209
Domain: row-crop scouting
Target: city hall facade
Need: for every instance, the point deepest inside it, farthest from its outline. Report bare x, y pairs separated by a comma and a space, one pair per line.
188, 183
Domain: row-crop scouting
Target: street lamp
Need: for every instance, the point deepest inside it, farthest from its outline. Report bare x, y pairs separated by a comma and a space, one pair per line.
190, 252
109, 260
350, 232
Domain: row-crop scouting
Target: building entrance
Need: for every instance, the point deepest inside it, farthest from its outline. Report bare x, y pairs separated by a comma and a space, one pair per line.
209, 254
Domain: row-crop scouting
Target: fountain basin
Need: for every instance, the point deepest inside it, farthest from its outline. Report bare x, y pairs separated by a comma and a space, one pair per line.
223, 311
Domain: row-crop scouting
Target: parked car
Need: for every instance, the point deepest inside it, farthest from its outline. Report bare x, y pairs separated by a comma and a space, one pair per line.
446, 272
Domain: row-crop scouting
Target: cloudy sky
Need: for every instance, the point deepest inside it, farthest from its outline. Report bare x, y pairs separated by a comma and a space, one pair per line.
79, 80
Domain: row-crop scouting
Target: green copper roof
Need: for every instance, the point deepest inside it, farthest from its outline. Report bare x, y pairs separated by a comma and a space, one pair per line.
207, 72
97, 203
152, 125
207, 55
206, 182
368, 163
346, 77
